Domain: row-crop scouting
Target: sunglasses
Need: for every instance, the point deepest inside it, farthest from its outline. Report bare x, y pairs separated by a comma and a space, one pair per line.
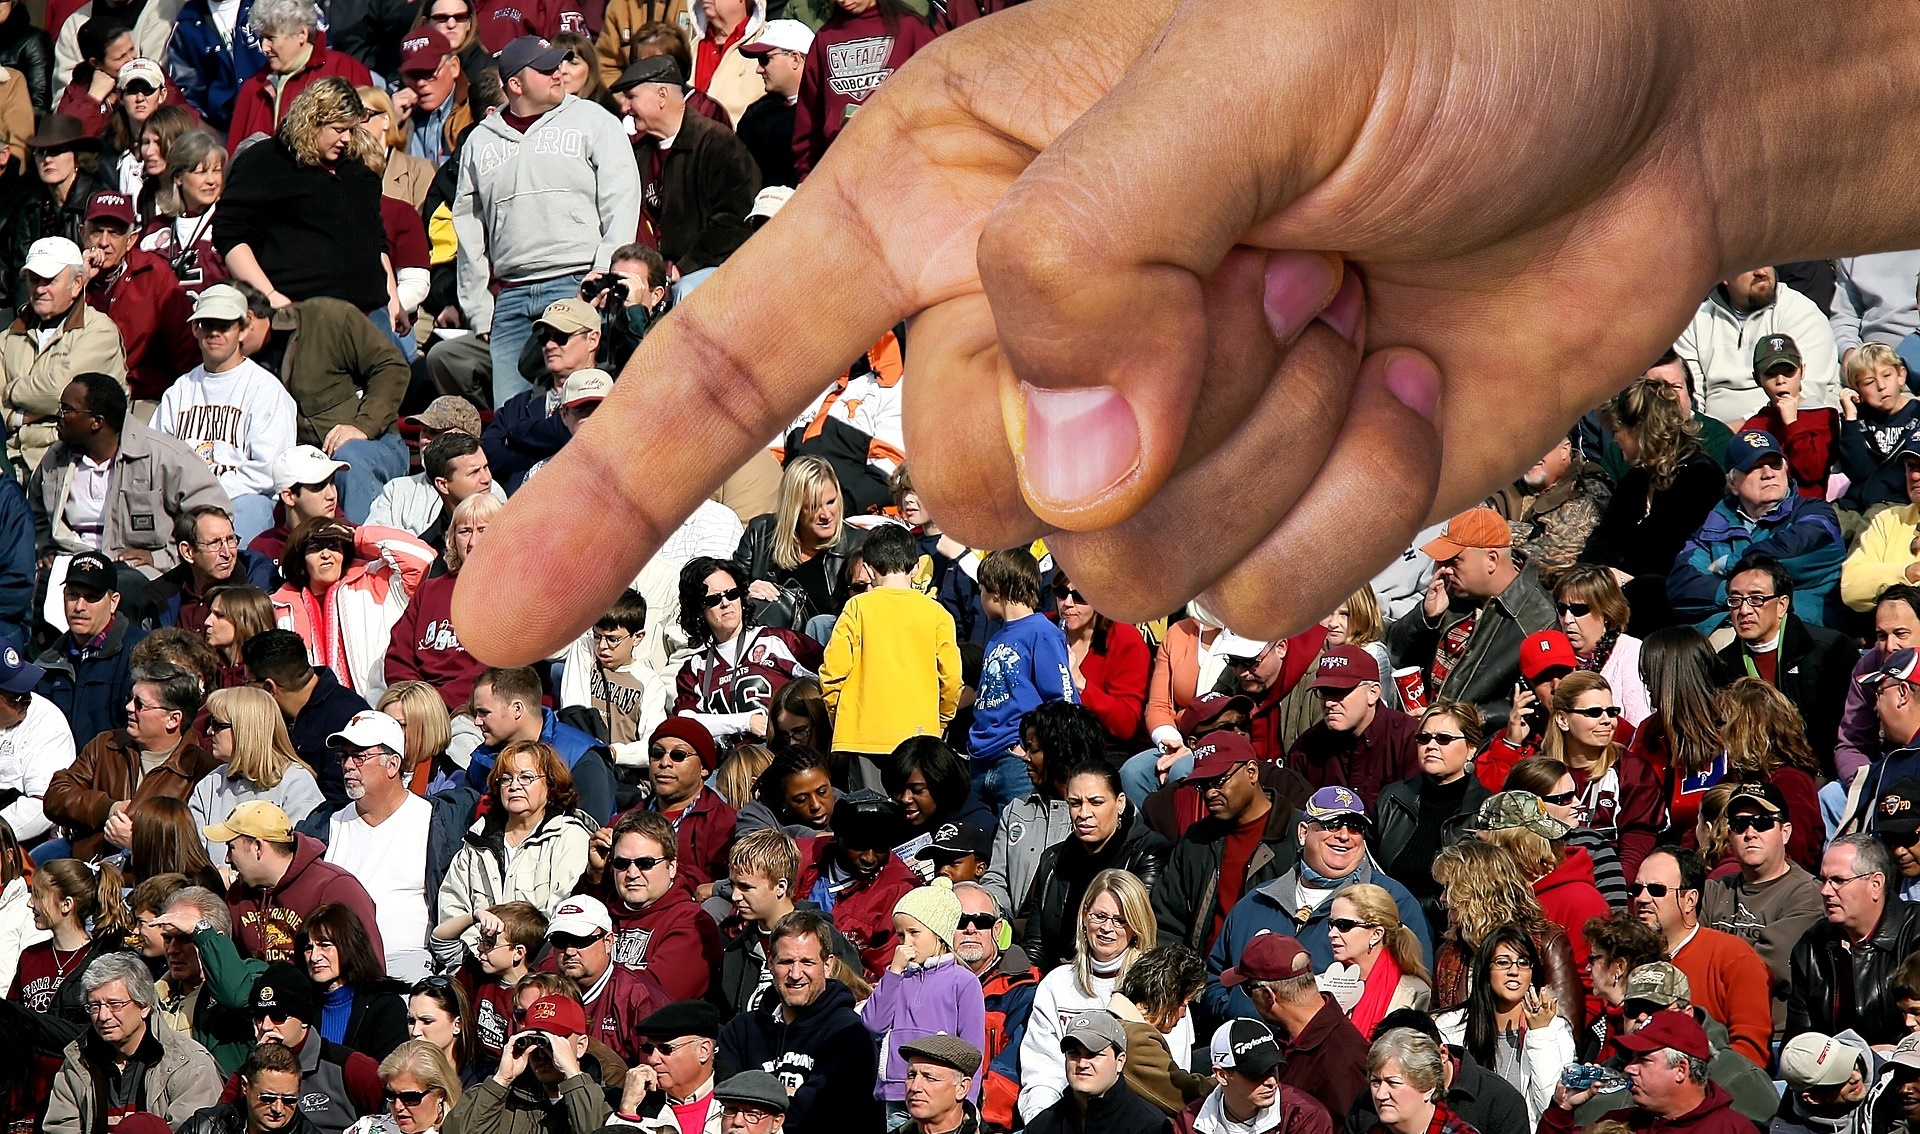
1348, 924
1342, 823
1437, 737
977, 921
272, 1015
643, 862
1066, 593
1652, 889
644, 1049
1577, 609
268, 1098
405, 1098
1595, 712
551, 334
1561, 799
215, 724
1741, 824
731, 594
571, 941
431, 984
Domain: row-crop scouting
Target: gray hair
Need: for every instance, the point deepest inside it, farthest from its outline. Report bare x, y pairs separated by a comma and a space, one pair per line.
1696, 1067
1418, 1056
271, 17
1869, 855
991, 900
211, 906
123, 967
1294, 990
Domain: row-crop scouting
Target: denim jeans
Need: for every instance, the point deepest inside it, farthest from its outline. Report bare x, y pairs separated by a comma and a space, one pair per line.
371, 464
51, 849
514, 311
1139, 779
252, 514
409, 347
685, 284
999, 780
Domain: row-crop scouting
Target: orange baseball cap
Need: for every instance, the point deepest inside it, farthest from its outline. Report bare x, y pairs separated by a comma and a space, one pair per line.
1475, 527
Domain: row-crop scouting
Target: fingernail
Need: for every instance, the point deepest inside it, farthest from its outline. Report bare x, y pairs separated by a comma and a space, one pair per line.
1079, 442
1299, 287
1413, 380
1343, 314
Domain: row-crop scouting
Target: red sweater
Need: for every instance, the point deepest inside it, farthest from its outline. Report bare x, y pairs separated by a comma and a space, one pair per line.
705, 833
146, 302
851, 56
500, 22
1734, 986
674, 939
1809, 441
255, 110
1570, 899
1116, 689
423, 646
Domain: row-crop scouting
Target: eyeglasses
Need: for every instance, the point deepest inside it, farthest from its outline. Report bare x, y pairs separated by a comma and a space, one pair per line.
1595, 712
215, 724
1837, 880
1117, 921
1577, 609
69, 411
600, 639
571, 941
1348, 924
644, 1049
140, 706
228, 544
1437, 737
1653, 889
859, 588
269, 1098
365, 754
981, 922
1561, 799
93, 1006
644, 862
731, 594
1241, 665
1513, 963
524, 779
408, 1099
1735, 602
748, 1113
1741, 824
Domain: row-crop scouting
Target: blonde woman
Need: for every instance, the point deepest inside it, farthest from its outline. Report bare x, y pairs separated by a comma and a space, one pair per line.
429, 729
1376, 960
247, 734
1482, 891
1115, 925
795, 558
421, 1087
403, 176
1357, 622
1619, 792
737, 774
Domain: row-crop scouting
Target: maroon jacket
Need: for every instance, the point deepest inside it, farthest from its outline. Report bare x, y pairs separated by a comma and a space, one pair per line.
1328, 1059
1367, 762
630, 996
500, 22
863, 912
1714, 1115
254, 109
152, 311
705, 830
674, 939
266, 920
206, 267
423, 646
1300, 1113
77, 100
850, 57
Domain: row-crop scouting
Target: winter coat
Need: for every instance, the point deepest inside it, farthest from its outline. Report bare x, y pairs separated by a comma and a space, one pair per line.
493, 1109
1804, 535
1186, 896
940, 996
18, 565
146, 303
340, 369
34, 375
585, 757
1396, 817
181, 1078
1027, 829
1118, 1111
755, 557
264, 97
1052, 909
388, 565
446, 832
826, 1057
1487, 669
106, 772
208, 67
543, 871
154, 479
1719, 343
1835, 988
92, 686
863, 910
267, 919
29, 50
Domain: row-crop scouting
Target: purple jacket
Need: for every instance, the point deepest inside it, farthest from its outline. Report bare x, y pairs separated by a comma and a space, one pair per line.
1859, 743
941, 996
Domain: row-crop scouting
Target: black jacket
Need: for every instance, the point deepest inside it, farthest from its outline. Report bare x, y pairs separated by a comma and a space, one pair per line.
28, 213
1119, 1111
704, 193
369, 30
1395, 816
315, 232
327, 711
91, 688
1642, 539
741, 966
1834, 989
1813, 668
378, 1022
826, 1058
1053, 905
231, 1118
767, 130
1186, 896
755, 557
29, 50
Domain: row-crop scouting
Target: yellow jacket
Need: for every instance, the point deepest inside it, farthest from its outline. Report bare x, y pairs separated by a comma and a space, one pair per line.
1881, 557
876, 675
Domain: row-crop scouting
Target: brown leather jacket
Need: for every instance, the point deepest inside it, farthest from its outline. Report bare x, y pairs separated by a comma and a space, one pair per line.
1453, 970
81, 795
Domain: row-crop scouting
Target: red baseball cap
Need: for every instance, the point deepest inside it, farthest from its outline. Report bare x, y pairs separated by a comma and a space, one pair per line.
1207, 707
108, 205
1269, 956
557, 1015
1344, 668
421, 52
1545, 650
1665, 1028
1218, 753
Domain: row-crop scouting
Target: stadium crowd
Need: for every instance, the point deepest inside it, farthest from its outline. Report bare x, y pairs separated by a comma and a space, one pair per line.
1597, 810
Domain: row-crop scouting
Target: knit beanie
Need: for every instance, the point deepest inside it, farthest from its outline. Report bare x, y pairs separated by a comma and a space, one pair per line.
933, 906
694, 733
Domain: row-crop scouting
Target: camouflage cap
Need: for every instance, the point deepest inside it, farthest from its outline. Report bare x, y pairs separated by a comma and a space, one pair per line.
1507, 809
1658, 982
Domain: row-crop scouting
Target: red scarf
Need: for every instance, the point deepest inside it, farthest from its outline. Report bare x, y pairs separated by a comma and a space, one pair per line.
323, 615
1373, 1002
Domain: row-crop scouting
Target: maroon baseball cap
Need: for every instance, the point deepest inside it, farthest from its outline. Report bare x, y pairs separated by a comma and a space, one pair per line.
1206, 708
421, 52
557, 1016
108, 205
1666, 1028
1543, 651
1344, 668
1269, 956
1218, 753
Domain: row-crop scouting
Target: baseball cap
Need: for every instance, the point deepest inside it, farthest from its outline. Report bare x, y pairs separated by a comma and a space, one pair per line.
256, 819
284, 990
1657, 982
769, 201
1667, 1028
1095, 1030
17, 674
303, 464
369, 727
222, 303
1763, 796
556, 1016
780, 35
143, 71
957, 840
1345, 668
528, 51
1269, 956
108, 205
1247, 1046
1749, 447
1207, 708
1333, 801
93, 571
570, 314
446, 412
1775, 350
1231, 645
1218, 753
1811, 1059
581, 916
1898, 811
1506, 810
1544, 651
586, 385
1900, 665
653, 69
421, 53
1475, 527
759, 1088
1906, 1053
50, 255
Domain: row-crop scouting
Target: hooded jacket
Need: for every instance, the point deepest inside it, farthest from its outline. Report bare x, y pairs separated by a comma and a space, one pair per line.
1490, 664
1570, 898
1186, 896
181, 1078
1719, 346
674, 938
851, 56
1834, 988
543, 870
1052, 909
826, 1058
91, 686
106, 772
388, 566
267, 919
1804, 535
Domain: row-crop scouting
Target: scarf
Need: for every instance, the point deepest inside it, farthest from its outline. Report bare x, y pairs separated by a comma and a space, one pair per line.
323, 615
1381, 985
1601, 653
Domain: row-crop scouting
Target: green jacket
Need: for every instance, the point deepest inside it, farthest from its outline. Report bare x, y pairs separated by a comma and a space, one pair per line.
340, 369
493, 1109
223, 1021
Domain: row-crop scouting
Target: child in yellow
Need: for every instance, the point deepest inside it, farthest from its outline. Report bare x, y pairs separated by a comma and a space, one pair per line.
892, 667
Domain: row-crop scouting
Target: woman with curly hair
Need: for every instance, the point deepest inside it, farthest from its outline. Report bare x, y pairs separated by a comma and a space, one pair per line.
1659, 503
1483, 890
1766, 742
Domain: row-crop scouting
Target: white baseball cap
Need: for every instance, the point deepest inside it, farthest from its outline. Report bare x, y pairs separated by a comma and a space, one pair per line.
581, 916
144, 69
1231, 645
368, 728
222, 303
51, 255
780, 35
585, 385
303, 464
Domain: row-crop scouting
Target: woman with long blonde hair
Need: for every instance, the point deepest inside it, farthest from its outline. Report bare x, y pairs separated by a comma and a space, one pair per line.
403, 176
795, 557
423, 715
1619, 792
1483, 890
247, 734
1371, 945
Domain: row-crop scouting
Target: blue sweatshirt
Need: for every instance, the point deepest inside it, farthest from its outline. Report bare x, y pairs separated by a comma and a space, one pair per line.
1026, 664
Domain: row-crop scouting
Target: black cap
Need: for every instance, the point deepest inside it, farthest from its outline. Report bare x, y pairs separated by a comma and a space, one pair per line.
283, 989
653, 69
1761, 796
1898, 812
867, 820
1775, 351
94, 572
681, 1018
957, 840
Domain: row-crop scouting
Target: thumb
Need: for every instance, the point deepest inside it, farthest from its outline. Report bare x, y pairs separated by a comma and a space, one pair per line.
1094, 266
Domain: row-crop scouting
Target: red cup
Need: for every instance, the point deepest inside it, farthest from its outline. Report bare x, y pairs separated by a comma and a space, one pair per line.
1413, 688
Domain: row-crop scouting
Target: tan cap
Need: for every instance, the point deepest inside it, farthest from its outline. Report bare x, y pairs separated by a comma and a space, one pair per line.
570, 314
586, 385
256, 819
1658, 982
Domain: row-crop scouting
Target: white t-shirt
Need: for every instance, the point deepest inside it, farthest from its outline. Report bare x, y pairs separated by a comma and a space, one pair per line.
391, 862
86, 511
238, 420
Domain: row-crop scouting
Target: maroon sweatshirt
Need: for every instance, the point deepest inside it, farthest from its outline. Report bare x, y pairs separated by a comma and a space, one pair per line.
423, 646
630, 996
850, 57
674, 939
267, 920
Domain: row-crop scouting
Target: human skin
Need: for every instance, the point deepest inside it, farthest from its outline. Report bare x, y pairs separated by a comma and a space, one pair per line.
1535, 197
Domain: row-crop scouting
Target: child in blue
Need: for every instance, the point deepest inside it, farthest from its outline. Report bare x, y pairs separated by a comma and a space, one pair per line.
923, 992
1026, 665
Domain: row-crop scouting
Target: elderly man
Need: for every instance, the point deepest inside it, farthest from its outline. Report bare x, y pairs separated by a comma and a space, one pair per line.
1554, 507
1843, 968
1666, 1068
211, 556
55, 337
634, 868
939, 1068
1719, 344
112, 485
1828, 1078
415, 504
753, 1102
1809, 664
1246, 841
129, 1060
195, 923
1772, 900
1333, 855
1359, 743
278, 878
1326, 1054
441, 107
1726, 976
140, 293
616, 997
1760, 516
1094, 1045
1481, 603
674, 1078
89, 669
